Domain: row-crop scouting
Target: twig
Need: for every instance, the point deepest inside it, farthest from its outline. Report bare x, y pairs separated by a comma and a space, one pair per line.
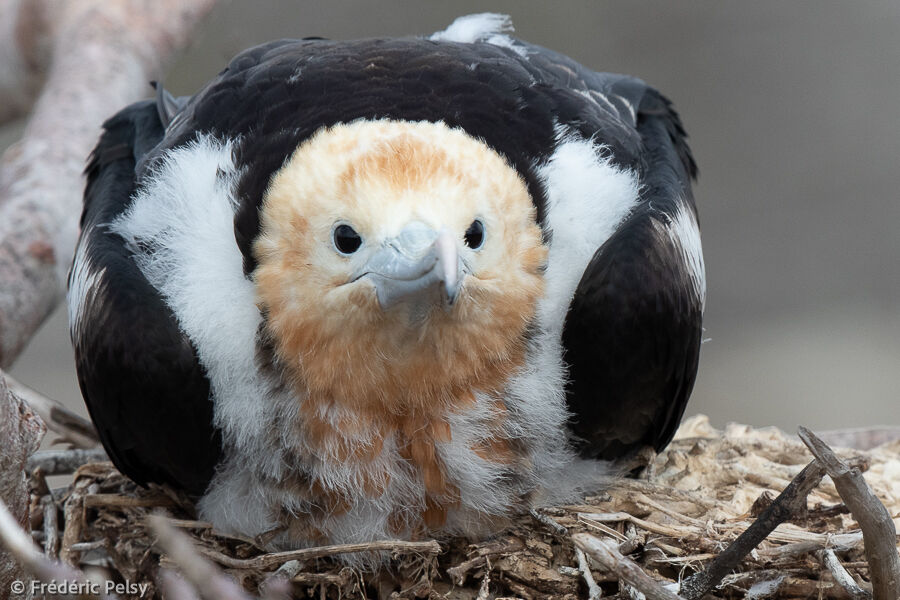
69, 426
675, 531
117, 500
21, 430
51, 527
63, 462
277, 583
338, 579
202, 574
602, 528
458, 573
632, 539
841, 576
626, 569
267, 561
188, 524
548, 521
879, 533
594, 590
484, 591
789, 502
19, 545
840, 542
73, 511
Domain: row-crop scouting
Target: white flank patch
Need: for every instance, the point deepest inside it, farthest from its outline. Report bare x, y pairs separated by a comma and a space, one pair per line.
181, 230
685, 234
490, 28
587, 198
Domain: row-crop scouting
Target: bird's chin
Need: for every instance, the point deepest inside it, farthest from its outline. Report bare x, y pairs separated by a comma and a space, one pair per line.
415, 297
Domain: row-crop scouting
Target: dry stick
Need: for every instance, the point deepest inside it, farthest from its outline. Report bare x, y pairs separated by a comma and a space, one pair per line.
26, 31
840, 574
277, 584
22, 548
51, 527
484, 591
632, 539
459, 572
63, 462
594, 591
626, 569
266, 561
71, 427
790, 502
21, 431
103, 54
840, 542
73, 511
209, 581
879, 533
117, 500
548, 521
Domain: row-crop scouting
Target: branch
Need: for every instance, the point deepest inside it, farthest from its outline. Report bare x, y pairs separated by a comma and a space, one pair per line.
879, 533
266, 561
20, 435
790, 502
69, 426
104, 53
594, 591
19, 545
625, 569
26, 34
841, 576
63, 462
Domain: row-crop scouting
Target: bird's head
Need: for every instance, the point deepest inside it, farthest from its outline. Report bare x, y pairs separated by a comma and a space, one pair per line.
398, 263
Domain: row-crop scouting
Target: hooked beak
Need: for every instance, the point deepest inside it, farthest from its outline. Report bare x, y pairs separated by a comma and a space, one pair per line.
420, 266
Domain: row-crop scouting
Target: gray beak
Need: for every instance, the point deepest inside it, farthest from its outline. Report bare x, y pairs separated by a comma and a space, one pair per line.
420, 266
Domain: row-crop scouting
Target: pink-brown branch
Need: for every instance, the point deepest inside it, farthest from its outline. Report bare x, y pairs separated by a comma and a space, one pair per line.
21, 431
103, 54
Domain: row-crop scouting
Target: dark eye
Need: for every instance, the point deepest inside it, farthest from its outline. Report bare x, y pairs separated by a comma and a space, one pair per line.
474, 237
346, 240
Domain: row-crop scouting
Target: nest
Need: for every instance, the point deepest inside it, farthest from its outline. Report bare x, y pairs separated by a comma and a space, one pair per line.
692, 502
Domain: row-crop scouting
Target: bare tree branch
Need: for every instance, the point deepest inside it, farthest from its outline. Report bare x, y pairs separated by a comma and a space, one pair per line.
63, 462
840, 574
21, 431
26, 32
70, 427
104, 52
789, 503
879, 533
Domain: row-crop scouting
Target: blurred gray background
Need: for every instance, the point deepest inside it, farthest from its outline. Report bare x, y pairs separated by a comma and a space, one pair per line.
792, 111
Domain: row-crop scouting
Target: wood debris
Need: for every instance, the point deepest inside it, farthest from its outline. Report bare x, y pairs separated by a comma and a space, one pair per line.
748, 499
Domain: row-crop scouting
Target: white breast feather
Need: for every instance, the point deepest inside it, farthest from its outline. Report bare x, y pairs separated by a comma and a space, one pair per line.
587, 198
180, 227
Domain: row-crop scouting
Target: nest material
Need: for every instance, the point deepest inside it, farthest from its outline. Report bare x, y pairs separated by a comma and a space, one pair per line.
693, 501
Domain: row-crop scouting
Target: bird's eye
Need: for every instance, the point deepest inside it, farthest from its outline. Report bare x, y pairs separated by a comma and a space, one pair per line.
346, 240
474, 237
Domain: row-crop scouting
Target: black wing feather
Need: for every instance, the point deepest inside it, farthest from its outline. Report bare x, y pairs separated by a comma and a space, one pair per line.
632, 334
143, 386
